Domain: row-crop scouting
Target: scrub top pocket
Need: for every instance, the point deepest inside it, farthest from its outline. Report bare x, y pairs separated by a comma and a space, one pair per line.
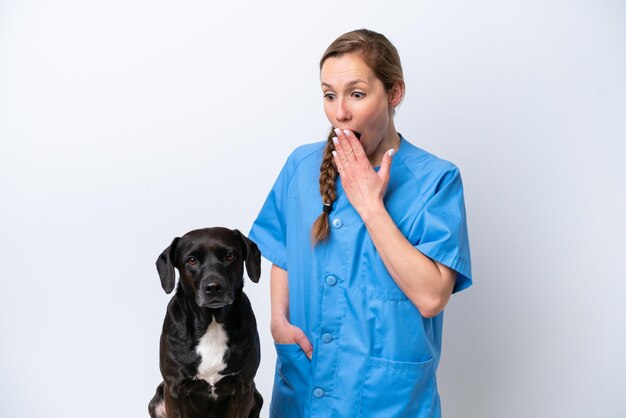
292, 375
399, 389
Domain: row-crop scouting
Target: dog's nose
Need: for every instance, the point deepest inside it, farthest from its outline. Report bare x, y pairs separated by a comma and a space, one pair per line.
213, 288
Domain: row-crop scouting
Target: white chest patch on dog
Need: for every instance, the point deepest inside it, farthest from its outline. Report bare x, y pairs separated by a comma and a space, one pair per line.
211, 348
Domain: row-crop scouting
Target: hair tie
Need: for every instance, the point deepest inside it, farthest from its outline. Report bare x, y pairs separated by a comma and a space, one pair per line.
327, 207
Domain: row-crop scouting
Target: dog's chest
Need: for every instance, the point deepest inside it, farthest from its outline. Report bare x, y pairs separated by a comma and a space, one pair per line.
212, 348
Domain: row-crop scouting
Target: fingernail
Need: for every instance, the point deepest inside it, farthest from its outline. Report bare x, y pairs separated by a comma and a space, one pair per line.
335, 140
337, 131
347, 132
335, 154
391, 152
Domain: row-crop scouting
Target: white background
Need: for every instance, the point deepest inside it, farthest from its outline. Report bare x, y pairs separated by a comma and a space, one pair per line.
126, 123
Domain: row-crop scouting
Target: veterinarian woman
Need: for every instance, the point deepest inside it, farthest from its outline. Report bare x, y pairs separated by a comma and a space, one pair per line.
362, 269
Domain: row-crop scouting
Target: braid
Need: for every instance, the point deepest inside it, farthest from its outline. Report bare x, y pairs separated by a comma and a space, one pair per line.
328, 174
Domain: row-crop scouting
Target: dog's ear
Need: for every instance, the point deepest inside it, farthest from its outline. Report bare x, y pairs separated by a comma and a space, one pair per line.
165, 267
253, 258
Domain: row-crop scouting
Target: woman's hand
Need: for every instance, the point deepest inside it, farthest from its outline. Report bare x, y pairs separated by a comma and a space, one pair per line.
285, 333
364, 187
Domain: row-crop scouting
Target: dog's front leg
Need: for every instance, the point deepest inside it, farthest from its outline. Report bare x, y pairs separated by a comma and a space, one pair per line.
258, 404
173, 402
242, 403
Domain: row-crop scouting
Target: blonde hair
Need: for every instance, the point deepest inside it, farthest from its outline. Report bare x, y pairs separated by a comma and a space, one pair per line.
382, 57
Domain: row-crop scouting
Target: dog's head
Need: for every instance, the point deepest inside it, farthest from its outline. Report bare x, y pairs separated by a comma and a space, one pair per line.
210, 265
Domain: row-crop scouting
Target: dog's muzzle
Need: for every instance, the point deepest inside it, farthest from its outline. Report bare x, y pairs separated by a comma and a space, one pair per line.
214, 294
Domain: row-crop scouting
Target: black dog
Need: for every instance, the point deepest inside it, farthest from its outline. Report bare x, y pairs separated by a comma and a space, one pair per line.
209, 345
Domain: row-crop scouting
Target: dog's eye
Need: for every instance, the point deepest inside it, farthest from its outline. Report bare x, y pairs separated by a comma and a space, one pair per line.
192, 261
229, 257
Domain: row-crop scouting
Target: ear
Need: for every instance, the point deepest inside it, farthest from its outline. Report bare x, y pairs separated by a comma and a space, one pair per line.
165, 267
253, 258
396, 94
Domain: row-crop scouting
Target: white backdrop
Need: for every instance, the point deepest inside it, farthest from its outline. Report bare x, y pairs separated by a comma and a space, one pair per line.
126, 123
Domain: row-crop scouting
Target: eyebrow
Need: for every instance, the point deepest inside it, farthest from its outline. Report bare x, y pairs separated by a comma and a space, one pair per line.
351, 83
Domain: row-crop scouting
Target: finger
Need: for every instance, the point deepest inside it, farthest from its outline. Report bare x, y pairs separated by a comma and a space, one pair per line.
355, 144
338, 152
343, 146
304, 344
344, 140
385, 165
338, 162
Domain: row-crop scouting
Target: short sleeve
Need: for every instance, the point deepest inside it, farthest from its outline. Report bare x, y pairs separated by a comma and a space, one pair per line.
443, 227
269, 229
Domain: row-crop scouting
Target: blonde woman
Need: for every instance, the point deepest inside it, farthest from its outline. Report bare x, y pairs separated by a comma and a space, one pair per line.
368, 240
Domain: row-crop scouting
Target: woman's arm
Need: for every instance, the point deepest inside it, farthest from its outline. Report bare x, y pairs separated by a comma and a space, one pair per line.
282, 330
427, 283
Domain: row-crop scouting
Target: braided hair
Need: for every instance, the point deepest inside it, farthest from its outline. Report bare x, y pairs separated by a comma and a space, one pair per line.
328, 176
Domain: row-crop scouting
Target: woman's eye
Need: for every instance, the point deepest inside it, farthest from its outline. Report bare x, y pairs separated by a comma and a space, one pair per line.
229, 257
358, 95
192, 261
329, 96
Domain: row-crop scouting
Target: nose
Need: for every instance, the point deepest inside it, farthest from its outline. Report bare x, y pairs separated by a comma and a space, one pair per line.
342, 112
213, 288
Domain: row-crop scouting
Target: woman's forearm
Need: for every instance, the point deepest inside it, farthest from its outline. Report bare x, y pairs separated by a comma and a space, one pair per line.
282, 330
279, 294
427, 283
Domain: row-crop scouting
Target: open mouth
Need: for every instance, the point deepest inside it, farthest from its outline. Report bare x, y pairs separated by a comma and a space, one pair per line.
355, 133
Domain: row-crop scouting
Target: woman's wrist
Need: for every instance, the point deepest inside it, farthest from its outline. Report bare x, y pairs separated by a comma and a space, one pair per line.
281, 330
278, 321
372, 211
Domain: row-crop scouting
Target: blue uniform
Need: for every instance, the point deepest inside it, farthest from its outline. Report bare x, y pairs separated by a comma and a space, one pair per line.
374, 355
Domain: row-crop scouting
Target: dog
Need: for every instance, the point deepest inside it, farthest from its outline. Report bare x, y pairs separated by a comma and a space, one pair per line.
210, 350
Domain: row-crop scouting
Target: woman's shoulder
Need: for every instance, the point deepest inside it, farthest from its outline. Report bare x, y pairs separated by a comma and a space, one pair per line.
308, 154
307, 150
423, 163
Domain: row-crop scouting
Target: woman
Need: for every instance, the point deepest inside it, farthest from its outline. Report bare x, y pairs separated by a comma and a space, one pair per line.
358, 291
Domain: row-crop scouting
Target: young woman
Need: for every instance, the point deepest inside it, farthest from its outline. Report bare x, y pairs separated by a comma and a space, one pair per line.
362, 269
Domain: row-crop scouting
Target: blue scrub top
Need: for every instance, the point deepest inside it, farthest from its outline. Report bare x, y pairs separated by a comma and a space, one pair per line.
374, 355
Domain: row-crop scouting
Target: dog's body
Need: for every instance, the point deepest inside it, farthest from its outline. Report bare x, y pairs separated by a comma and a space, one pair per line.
210, 344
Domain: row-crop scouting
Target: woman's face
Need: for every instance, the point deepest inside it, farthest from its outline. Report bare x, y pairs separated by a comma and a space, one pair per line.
355, 99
